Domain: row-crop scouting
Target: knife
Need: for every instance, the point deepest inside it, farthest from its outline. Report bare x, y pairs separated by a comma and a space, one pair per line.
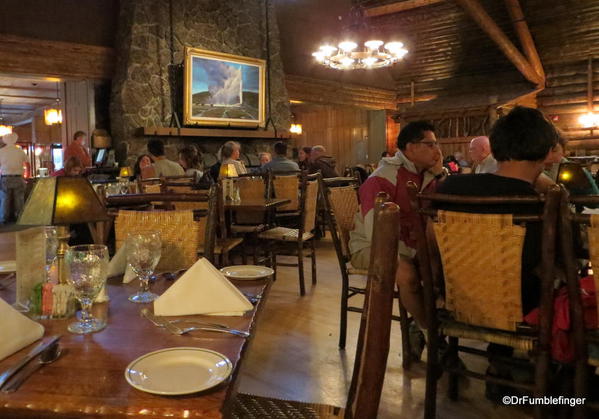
31, 355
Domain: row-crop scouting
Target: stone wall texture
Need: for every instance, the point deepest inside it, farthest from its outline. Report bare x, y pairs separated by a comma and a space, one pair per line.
141, 92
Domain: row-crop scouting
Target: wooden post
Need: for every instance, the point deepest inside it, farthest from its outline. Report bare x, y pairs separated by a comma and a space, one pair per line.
528, 44
486, 23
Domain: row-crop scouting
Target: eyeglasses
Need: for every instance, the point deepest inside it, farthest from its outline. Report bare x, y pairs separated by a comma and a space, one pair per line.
429, 144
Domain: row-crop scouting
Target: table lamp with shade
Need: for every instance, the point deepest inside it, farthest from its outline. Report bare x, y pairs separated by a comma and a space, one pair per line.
227, 174
61, 201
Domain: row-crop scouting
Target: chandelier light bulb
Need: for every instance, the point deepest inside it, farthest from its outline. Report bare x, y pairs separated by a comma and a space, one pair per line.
327, 50
5, 129
373, 45
393, 46
348, 46
319, 55
346, 61
369, 61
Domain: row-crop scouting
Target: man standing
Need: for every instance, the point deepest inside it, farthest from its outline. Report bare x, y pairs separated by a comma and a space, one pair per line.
480, 152
280, 163
162, 165
320, 161
77, 149
418, 160
12, 185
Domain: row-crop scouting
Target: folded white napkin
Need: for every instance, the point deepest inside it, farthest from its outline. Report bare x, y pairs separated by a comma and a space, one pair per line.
203, 289
118, 265
16, 330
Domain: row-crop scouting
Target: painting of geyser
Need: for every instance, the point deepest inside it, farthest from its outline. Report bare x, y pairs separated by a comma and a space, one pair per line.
224, 89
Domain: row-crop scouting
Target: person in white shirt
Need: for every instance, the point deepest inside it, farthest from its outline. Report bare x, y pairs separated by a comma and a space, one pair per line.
12, 184
480, 152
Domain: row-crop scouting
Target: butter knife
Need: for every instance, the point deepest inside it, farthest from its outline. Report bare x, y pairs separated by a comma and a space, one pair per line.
24, 361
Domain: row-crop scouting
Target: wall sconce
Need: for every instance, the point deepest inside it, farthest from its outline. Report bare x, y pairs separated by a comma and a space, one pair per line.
589, 120
296, 129
5, 129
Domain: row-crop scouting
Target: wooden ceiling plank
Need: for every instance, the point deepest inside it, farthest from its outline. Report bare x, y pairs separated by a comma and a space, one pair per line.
528, 43
397, 7
2, 95
486, 23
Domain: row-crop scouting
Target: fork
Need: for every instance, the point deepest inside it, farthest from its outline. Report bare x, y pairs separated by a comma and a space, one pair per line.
181, 331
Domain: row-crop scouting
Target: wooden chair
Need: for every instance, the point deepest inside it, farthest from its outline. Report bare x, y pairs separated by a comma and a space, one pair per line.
481, 303
287, 185
341, 203
372, 348
583, 339
179, 234
278, 237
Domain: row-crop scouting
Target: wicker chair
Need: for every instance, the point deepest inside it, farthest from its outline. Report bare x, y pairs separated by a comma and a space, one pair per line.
280, 238
372, 347
287, 186
341, 203
482, 285
249, 223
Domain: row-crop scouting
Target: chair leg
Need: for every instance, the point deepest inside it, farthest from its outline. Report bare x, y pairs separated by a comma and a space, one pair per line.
541, 381
404, 325
432, 372
300, 267
452, 354
244, 258
313, 257
343, 314
273, 260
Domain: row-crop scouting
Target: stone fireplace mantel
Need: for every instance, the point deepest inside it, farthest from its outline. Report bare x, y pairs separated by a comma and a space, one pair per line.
212, 133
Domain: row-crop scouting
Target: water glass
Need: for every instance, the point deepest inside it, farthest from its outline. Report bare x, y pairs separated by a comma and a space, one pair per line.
143, 254
88, 270
51, 247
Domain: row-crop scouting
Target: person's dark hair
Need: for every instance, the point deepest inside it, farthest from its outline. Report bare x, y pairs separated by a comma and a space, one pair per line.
136, 167
78, 135
280, 148
191, 157
156, 147
523, 134
307, 150
71, 163
413, 133
385, 154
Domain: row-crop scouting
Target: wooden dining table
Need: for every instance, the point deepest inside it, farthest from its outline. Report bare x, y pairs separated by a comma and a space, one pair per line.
88, 380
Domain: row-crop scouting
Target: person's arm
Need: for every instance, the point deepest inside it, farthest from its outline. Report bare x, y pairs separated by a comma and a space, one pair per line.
543, 183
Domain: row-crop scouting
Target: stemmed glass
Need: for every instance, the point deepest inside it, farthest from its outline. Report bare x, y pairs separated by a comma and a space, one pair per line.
143, 254
88, 265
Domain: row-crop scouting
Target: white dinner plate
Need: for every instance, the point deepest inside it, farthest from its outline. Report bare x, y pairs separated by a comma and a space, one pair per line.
8, 266
176, 371
248, 272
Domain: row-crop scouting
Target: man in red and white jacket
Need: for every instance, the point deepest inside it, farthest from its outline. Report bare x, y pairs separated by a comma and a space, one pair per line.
419, 159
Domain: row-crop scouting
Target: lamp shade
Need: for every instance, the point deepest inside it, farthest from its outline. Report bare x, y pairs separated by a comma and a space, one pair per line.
62, 200
125, 172
228, 170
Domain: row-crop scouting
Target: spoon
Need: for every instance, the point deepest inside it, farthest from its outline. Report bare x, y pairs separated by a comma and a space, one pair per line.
46, 357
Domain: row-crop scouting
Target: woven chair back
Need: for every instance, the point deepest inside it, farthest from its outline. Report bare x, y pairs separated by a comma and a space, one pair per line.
194, 206
287, 187
310, 202
179, 234
250, 188
344, 205
593, 238
481, 257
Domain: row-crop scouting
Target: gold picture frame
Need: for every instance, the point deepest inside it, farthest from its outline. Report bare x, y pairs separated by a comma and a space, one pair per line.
223, 89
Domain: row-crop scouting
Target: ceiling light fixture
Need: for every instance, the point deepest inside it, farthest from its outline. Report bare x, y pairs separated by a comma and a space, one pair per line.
347, 56
54, 115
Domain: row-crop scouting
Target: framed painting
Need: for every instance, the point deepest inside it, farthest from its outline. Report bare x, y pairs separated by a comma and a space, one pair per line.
223, 90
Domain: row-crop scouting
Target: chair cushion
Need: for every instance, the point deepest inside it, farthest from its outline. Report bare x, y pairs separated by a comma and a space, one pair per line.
284, 234
247, 406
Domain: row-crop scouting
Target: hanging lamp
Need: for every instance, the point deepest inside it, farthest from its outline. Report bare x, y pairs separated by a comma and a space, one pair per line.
54, 115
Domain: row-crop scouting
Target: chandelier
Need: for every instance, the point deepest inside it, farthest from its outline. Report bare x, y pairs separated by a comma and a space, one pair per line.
348, 55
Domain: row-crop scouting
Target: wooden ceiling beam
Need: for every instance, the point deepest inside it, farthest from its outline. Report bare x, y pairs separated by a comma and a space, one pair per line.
39, 89
400, 6
486, 23
528, 44
27, 97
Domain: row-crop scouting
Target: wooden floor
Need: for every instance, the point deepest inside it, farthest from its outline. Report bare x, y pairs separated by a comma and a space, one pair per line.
295, 354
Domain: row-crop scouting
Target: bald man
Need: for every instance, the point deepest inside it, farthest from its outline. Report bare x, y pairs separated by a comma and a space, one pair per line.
480, 152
